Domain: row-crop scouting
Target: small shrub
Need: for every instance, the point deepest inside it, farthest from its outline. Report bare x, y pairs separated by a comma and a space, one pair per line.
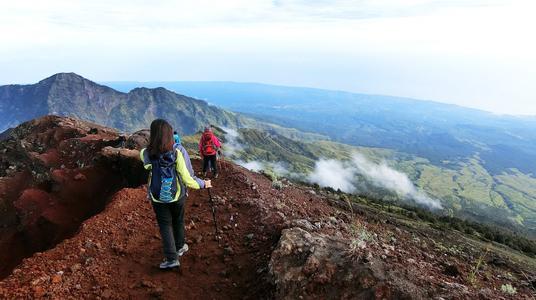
508, 289
360, 237
278, 185
269, 174
472, 275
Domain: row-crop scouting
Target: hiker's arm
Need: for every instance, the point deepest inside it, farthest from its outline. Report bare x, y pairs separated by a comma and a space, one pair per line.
184, 174
201, 147
188, 163
216, 141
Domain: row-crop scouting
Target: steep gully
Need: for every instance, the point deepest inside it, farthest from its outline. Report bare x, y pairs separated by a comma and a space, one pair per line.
59, 176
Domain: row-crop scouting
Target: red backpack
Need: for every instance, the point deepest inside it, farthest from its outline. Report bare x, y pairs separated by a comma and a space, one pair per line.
208, 145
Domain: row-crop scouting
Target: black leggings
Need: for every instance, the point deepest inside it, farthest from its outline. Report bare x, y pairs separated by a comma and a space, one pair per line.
170, 218
210, 159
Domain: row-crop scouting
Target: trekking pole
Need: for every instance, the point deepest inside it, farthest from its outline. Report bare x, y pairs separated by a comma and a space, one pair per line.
213, 215
223, 161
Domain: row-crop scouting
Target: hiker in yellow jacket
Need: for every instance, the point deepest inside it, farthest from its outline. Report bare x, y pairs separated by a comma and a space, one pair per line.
167, 185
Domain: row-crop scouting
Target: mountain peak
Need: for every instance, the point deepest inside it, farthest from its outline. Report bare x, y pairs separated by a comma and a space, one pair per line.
65, 77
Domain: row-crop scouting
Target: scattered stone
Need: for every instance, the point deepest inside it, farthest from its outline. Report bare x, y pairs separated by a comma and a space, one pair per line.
75, 267
497, 261
107, 293
80, 177
56, 278
451, 270
38, 292
304, 224
228, 251
93, 131
157, 291
147, 284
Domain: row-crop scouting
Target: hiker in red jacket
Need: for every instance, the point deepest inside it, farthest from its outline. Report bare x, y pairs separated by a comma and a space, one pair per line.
209, 147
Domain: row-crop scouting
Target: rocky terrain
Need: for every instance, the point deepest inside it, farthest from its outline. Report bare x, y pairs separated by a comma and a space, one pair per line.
75, 223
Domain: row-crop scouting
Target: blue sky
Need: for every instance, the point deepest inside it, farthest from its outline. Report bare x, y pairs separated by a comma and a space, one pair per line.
473, 53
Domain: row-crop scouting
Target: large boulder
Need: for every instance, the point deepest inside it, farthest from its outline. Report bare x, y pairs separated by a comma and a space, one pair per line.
308, 265
138, 140
127, 162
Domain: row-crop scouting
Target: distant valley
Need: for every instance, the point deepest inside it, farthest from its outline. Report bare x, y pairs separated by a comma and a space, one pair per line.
479, 164
441, 133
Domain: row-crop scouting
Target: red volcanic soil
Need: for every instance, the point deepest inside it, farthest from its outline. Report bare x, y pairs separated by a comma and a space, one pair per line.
89, 232
115, 254
54, 178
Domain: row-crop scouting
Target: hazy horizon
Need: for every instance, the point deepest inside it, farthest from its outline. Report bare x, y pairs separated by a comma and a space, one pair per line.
471, 53
307, 87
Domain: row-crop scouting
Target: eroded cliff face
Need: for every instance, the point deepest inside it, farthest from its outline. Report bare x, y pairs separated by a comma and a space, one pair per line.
55, 173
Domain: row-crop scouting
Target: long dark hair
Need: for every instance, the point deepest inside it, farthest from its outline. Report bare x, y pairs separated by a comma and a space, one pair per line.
161, 138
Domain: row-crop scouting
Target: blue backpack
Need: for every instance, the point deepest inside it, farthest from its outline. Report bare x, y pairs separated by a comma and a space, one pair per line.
165, 182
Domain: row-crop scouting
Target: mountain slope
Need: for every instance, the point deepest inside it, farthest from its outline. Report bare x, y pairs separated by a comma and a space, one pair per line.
276, 242
69, 94
435, 131
465, 188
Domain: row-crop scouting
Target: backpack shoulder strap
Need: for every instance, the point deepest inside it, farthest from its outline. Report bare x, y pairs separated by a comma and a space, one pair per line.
144, 156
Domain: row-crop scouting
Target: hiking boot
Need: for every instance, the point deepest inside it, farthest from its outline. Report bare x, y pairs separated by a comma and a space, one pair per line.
182, 250
169, 264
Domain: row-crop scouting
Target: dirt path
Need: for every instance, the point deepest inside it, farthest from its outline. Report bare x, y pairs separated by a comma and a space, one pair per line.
116, 253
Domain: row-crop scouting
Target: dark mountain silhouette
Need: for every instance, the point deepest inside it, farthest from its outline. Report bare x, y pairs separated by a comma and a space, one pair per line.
69, 94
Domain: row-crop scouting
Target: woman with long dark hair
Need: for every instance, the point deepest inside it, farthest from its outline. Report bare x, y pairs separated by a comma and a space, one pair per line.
167, 185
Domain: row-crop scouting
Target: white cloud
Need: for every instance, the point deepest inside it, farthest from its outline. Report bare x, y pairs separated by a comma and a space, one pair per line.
384, 176
231, 145
332, 173
250, 165
341, 175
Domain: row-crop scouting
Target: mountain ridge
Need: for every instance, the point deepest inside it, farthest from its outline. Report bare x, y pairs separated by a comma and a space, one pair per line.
124, 86
73, 95
70, 94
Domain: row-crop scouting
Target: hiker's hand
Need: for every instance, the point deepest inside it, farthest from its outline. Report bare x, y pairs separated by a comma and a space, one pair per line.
208, 184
